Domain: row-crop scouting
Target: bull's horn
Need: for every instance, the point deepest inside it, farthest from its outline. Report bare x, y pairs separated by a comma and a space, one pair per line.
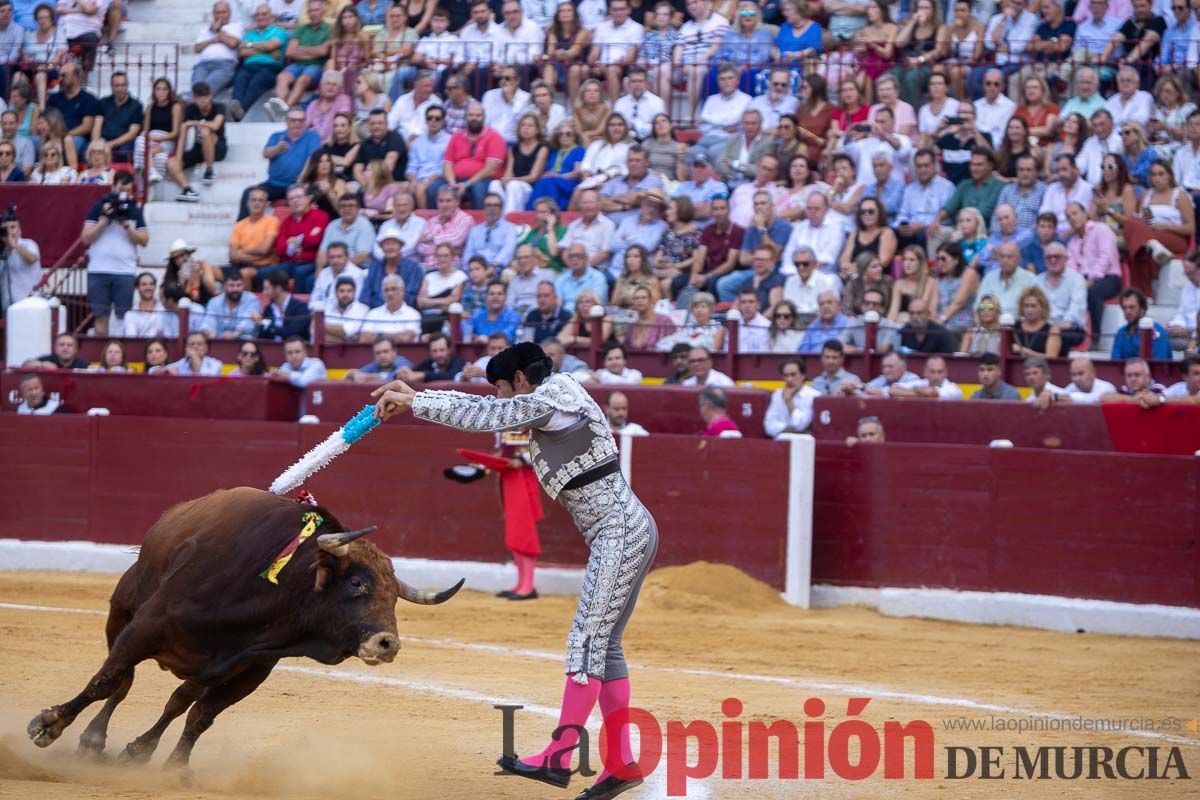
338, 544
428, 598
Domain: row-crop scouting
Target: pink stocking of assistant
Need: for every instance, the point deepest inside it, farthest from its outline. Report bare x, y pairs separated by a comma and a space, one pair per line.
614, 697
525, 567
578, 701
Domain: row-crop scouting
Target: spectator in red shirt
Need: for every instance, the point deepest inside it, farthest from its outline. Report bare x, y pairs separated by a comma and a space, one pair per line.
299, 238
714, 407
473, 156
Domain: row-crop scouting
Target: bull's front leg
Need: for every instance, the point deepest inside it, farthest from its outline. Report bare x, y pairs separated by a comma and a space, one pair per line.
215, 700
130, 648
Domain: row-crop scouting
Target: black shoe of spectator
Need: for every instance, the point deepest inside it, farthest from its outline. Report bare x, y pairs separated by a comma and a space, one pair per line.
188, 195
209, 177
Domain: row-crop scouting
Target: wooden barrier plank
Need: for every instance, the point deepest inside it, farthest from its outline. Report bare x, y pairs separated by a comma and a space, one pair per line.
45, 464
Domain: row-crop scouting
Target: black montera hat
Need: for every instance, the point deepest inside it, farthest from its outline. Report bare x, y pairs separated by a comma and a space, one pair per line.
525, 357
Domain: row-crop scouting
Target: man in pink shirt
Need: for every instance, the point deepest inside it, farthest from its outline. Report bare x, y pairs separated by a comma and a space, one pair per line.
451, 226
473, 157
1092, 252
714, 408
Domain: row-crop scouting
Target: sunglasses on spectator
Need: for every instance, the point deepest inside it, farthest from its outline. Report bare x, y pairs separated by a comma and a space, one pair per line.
870, 303
985, 307
1128, 133
806, 262
866, 211
783, 316
434, 117
720, 195
247, 353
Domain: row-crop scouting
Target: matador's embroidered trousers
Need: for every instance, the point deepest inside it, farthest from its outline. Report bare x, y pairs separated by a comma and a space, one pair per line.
623, 540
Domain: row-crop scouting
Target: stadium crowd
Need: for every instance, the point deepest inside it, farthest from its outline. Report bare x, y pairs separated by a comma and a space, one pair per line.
942, 172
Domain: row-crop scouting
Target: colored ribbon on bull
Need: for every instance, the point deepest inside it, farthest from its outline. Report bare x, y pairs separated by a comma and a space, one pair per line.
319, 457
312, 521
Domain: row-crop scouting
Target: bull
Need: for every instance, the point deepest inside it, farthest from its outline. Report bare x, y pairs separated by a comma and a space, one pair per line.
199, 603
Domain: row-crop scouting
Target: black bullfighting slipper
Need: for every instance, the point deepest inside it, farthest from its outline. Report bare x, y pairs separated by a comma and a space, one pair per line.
531, 596
506, 594
545, 774
608, 788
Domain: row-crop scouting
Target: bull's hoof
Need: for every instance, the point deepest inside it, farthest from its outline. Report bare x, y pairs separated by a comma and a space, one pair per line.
178, 765
137, 752
92, 744
46, 727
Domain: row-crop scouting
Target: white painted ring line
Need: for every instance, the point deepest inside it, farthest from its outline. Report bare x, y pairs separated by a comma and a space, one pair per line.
847, 689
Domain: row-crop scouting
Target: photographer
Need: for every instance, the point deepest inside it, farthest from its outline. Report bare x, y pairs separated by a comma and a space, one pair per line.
20, 261
113, 230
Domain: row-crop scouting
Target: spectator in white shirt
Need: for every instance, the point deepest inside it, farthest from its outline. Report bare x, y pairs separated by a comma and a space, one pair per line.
1105, 139
700, 363
882, 139
1186, 163
519, 41
818, 231
1084, 387
754, 329
439, 49
217, 45
614, 371
616, 408
776, 101
614, 46
1182, 327
639, 107
395, 318
807, 283
721, 115
994, 109
344, 318
1130, 104
478, 45
197, 361
337, 265
1067, 189
407, 116
1037, 378
790, 408
935, 384
503, 105
404, 224
298, 368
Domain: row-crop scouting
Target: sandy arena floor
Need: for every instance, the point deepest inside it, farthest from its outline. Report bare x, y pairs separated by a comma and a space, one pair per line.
424, 726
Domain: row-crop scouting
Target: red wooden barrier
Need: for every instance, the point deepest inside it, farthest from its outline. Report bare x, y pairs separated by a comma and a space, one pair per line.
1105, 526
943, 422
164, 395
1091, 525
1170, 429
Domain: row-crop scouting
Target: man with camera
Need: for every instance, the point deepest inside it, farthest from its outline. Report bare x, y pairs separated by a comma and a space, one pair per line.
113, 230
20, 261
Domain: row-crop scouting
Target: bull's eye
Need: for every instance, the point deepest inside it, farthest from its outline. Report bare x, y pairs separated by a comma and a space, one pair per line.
358, 586
356, 583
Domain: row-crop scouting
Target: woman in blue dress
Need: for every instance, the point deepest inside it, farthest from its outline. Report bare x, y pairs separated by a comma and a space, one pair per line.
563, 171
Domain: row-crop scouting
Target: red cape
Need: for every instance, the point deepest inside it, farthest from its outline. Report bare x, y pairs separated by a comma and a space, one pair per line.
522, 502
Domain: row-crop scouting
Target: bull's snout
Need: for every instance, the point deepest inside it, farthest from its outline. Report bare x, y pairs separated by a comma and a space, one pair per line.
381, 648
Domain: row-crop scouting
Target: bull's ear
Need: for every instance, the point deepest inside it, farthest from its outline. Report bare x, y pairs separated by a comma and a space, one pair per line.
323, 567
338, 544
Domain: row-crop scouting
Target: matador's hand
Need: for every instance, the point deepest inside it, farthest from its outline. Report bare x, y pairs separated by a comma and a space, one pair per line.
393, 398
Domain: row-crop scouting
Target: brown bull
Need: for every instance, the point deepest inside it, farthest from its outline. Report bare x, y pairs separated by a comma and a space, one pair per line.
197, 602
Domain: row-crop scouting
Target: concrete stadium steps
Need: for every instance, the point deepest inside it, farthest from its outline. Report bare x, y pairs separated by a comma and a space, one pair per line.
207, 224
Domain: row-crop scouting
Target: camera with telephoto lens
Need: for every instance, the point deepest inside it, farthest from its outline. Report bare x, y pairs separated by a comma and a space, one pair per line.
10, 216
119, 206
